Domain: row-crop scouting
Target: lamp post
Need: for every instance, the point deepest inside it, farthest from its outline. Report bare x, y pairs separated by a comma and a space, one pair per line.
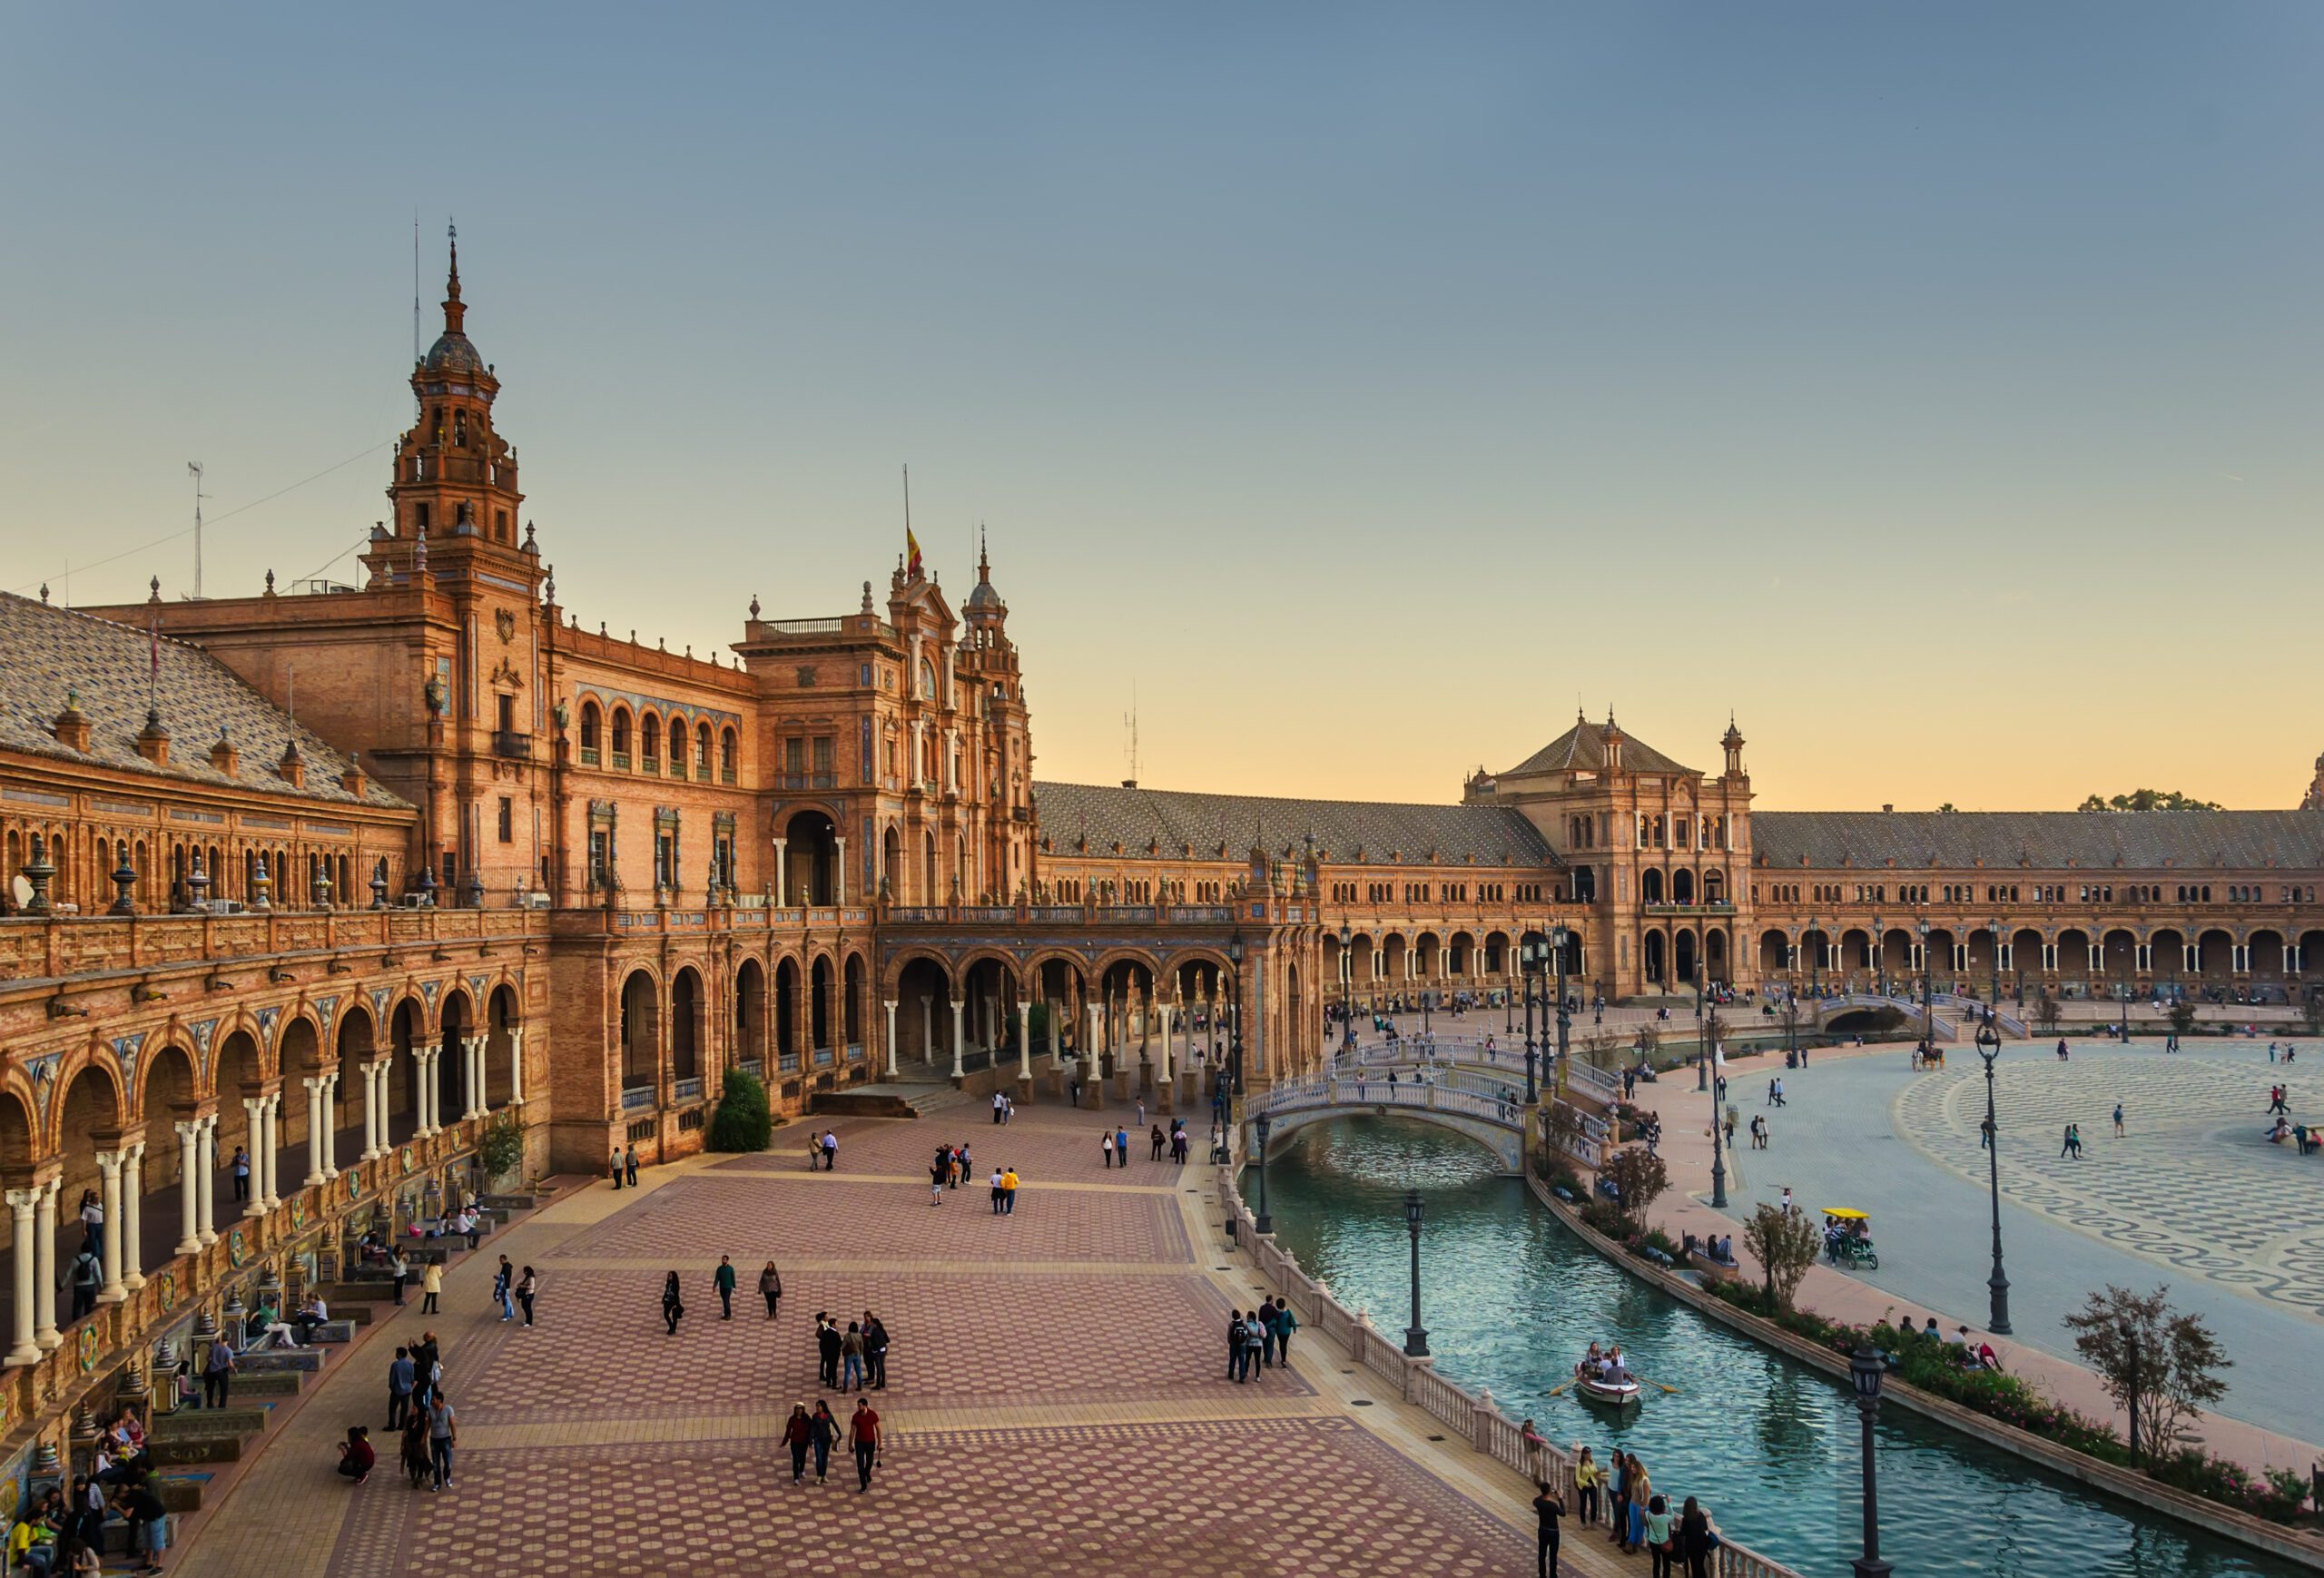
1989, 1047
1562, 939
1415, 1334
1879, 956
1347, 986
1534, 960
1929, 994
1702, 1051
1261, 1221
1718, 1129
1816, 958
2128, 959
1235, 1013
1995, 1001
1865, 1368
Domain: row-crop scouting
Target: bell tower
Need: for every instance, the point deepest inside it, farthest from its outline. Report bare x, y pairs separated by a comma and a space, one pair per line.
453, 487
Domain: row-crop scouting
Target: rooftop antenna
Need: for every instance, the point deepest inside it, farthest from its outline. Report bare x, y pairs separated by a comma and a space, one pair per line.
415, 285
1129, 726
194, 468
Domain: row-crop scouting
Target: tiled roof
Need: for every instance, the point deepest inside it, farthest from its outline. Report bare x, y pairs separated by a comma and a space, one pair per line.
1414, 834
1584, 746
46, 653
2047, 840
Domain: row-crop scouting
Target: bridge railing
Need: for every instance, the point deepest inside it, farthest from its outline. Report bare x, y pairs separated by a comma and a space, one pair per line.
1473, 1415
1941, 1024
1347, 1089
2009, 1023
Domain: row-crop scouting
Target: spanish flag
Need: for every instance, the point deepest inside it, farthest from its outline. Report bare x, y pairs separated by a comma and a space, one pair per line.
911, 556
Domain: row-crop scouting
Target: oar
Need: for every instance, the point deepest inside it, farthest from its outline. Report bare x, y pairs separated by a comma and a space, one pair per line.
1554, 1391
1673, 1390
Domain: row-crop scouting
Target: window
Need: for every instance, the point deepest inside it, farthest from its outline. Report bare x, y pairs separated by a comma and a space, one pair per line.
702, 749
507, 819
726, 760
419, 520
649, 742
507, 705
588, 728
500, 525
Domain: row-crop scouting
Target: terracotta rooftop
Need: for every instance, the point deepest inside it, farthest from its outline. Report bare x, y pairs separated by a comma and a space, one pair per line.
48, 653
2042, 839
1176, 822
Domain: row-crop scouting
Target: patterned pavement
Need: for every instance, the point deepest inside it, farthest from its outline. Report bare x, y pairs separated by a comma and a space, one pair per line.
2192, 1185
1057, 1401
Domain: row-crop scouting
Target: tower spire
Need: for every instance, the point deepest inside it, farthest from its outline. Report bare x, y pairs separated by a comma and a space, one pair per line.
454, 311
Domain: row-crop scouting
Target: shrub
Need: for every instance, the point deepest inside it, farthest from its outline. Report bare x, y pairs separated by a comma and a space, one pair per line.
742, 1121
501, 1149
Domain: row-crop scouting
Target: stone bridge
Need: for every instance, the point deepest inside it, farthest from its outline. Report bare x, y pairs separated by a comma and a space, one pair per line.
1446, 1099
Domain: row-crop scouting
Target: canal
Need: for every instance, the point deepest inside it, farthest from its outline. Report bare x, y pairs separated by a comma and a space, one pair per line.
1511, 1298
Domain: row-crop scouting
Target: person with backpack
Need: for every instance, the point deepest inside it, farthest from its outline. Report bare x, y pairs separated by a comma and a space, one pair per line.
1255, 1336
672, 1303
1235, 1362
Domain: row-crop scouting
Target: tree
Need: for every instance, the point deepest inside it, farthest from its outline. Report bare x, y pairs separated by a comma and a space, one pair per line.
2182, 1016
2047, 1013
501, 1149
2311, 1009
1598, 1045
1792, 1015
742, 1121
2157, 1364
1786, 1244
2147, 800
1642, 1178
1649, 1037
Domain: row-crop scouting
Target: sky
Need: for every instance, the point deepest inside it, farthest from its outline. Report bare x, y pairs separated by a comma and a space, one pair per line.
1354, 390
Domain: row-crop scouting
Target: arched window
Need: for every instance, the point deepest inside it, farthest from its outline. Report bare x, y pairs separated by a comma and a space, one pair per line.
927, 678
621, 737
460, 429
726, 762
702, 749
589, 727
649, 742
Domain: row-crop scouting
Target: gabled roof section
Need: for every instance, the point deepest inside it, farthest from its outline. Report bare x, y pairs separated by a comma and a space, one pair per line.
1583, 746
1171, 823
2187, 841
49, 653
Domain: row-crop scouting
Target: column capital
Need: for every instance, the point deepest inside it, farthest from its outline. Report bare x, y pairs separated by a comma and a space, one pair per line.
315, 1081
22, 1201
109, 1163
188, 1128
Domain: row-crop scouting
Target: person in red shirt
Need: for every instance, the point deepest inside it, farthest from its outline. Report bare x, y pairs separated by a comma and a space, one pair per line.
356, 1457
863, 1435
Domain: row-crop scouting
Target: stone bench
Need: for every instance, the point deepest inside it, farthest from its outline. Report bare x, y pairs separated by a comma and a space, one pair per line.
188, 1424
277, 1360
190, 1449
271, 1383
337, 1331
118, 1538
181, 1492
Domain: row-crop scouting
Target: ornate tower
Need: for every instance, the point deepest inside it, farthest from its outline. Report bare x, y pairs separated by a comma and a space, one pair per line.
2314, 800
1004, 738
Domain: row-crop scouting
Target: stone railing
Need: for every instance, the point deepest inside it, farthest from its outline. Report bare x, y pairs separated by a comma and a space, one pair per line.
638, 1099
685, 1090
55, 947
1472, 1416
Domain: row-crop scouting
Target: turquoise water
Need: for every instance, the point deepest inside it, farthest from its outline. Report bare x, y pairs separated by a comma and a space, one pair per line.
1511, 1298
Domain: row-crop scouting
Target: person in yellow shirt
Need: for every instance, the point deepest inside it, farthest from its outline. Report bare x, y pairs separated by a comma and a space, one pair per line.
1587, 1477
1009, 1192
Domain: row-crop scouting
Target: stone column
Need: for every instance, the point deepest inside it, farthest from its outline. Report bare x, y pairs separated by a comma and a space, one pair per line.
471, 1065
928, 1028
45, 1332
1024, 1042
1089, 1047
515, 1067
109, 1171
317, 1141
956, 1006
330, 1126
206, 1167
1057, 1034
254, 1131
423, 1070
782, 875
25, 1255
1162, 1009
189, 1188
273, 1115
890, 1004
839, 873
133, 1216
372, 1126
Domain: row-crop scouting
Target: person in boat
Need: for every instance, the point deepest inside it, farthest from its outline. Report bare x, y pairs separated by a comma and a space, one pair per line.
1590, 1361
1614, 1373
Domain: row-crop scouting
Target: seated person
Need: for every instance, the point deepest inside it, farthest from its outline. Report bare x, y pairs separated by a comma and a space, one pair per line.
2303, 1137
369, 1250
32, 1541
2277, 1135
1986, 1357
356, 1457
312, 1314
269, 1330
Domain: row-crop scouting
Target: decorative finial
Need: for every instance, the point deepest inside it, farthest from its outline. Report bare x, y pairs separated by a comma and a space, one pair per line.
754, 605
43, 591
548, 586
269, 583
984, 564
156, 585
454, 312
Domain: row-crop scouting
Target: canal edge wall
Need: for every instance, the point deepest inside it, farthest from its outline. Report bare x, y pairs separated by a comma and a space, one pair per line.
2306, 1551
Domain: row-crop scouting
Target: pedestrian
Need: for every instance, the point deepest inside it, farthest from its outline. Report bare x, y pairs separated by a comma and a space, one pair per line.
402, 1375
999, 1108
2117, 1120
443, 1435
431, 1285
504, 1289
723, 1279
1121, 1146
1106, 1148
997, 1176
1255, 1336
1639, 1492
86, 1276
148, 1518
1697, 1539
1267, 1333
612, 1167
629, 1165
356, 1458
1587, 1478
528, 1284
427, 1368
413, 1449
863, 1435
2065, 1146
1156, 1154
1618, 1506
242, 1166
1548, 1508
823, 1434
827, 1341
399, 1272
771, 1288
1656, 1531
673, 1305
850, 1354
1787, 1199
1234, 1357
1007, 1111
830, 1151
937, 1171
798, 1434
218, 1371
1285, 1323
1009, 1192
93, 1222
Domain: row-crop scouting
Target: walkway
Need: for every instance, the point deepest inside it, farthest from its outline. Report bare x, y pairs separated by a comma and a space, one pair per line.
1058, 1398
1861, 1129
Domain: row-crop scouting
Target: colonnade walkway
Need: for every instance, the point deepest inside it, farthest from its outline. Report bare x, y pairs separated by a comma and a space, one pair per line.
1057, 1399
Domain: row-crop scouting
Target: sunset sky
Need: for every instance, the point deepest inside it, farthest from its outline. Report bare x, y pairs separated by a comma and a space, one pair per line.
1937, 390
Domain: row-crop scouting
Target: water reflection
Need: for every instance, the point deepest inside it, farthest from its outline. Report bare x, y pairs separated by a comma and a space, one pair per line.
1511, 1299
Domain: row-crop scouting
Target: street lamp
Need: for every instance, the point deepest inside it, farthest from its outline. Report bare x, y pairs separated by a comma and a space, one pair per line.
1561, 939
1261, 1221
1879, 956
1415, 1334
1989, 1047
1533, 957
1234, 1012
1347, 985
1928, 994
1815, 959
1995, 1001
1702, 1052
1718, 1129
1865, 1368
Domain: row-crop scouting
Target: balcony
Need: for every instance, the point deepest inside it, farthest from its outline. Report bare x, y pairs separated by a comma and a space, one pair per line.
620, 760
637, 1097
515, 746
589, 756
823, 1057
686, 1090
